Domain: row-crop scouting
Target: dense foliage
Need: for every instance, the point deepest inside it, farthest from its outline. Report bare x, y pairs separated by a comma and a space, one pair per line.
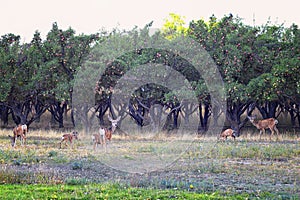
259, 66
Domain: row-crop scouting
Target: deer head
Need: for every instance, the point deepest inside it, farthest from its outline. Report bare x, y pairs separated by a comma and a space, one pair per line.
114, 122
75, 135
251, 118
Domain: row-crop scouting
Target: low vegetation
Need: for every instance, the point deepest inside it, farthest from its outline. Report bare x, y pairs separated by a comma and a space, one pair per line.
202, 168
108, 191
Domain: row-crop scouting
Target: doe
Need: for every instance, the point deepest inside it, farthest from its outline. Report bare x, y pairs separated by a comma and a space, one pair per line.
228, 132
105, 133
69, 138
19, 131
263, 124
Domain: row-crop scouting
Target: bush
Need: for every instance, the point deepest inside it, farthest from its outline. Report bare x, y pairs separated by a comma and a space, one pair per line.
52, 153
76, 181
77, 165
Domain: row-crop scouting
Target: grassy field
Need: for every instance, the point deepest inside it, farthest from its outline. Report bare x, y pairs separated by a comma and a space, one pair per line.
143, 168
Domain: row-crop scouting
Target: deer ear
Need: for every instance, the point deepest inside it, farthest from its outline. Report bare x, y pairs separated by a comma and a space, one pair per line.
109, 118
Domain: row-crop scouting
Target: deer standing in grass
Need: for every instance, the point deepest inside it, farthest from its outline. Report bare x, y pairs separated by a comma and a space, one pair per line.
105, 133
19, 131
227, 133
69, 138
269, 123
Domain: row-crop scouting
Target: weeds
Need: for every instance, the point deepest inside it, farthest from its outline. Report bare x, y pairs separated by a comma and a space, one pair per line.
76, 165
17, 177
246, 168
76, 181
271, 151
52, 153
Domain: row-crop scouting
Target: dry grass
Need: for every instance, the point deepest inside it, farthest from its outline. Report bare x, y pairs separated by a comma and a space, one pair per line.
159, 160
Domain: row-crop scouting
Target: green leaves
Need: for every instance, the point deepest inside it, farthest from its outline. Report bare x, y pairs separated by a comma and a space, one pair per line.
256, 63
174, 26
263, 88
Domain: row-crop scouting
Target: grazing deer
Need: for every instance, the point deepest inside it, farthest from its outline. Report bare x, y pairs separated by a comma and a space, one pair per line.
227, 133
269, 123
105, 133
69, 138
19, 131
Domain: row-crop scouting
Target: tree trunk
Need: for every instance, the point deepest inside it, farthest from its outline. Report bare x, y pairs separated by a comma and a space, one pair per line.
268, 109
234, 113
204, 114
4, 115
57, 111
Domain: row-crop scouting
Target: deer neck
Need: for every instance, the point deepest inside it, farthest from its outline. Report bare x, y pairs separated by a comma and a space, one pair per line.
255, 123
113, 128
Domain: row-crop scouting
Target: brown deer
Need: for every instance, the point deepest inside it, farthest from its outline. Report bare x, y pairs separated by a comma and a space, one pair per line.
19, 131
263, 124
105, 133
227, 133
69, 138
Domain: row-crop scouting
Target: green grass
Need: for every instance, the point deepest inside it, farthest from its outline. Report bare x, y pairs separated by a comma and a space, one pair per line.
202, 169
245, 150
112, 191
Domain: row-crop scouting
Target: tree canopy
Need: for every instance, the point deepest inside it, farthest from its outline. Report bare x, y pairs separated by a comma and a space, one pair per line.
259, 66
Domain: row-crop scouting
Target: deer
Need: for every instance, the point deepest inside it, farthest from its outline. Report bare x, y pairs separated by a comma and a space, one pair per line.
69, 138
228, 132
105, 134
263, 124
19, 131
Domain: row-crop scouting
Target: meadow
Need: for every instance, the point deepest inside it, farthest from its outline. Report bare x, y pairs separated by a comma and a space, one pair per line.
194, 167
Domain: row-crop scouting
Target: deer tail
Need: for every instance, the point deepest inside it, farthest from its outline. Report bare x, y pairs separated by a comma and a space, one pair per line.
276, 121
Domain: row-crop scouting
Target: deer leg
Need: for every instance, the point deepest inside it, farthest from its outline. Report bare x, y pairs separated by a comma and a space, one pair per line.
63, 141
260, 133
276, 130
23, 138
15, 140
21, 142
71, 142
101, 140
60, 144
12, 139
67, 143
95, 143
272, 133
104, 142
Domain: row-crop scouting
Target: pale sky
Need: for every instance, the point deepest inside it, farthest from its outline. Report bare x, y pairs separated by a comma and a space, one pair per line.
24, 17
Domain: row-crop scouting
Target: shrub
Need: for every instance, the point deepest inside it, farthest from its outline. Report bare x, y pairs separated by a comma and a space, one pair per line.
77, 165
76, 181
52, 153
